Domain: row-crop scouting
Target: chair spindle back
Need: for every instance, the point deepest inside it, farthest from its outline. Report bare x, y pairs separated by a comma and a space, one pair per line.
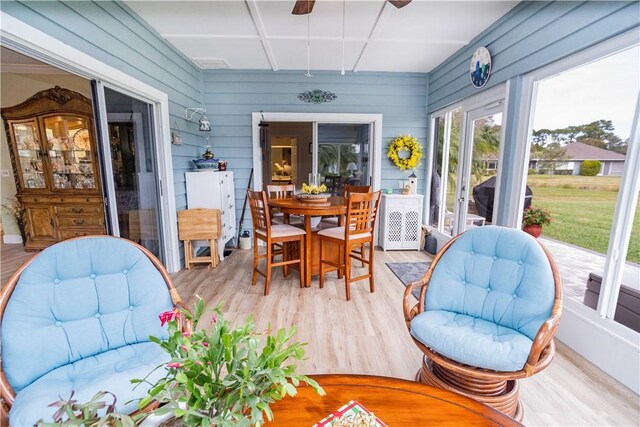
259, 211
362, 209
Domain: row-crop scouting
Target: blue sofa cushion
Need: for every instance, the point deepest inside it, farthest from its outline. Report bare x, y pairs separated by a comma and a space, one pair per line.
108, 371
78, 299
496, 274
472, 341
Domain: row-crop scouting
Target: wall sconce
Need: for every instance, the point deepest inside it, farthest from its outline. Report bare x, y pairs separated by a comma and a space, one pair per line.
204, 125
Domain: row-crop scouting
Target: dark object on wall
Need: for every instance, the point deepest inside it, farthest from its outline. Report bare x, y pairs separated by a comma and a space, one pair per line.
431, 244
628, 307
317, 96
484, 194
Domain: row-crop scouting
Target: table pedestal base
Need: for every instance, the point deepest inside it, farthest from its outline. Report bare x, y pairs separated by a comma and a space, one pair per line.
499, 394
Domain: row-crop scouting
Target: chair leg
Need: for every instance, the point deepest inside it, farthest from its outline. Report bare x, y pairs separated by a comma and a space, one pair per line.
286, 247
341, 250
187, 254
301, 260
255, 260
267, 278
321, 278
362, 255
347, 270
372, 286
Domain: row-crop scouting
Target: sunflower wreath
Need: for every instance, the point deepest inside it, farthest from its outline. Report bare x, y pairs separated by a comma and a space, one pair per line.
409, 143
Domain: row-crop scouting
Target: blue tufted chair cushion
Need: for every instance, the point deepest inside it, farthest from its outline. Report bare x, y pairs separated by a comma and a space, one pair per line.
487, 298
77, 300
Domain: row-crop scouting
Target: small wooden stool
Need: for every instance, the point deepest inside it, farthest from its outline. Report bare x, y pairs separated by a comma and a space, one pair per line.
200, 224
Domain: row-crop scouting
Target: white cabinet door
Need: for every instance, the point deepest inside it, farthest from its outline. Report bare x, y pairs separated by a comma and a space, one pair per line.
214, 190
401, 222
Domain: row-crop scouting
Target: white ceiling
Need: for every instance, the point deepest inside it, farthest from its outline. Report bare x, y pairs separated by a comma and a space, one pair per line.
263, 34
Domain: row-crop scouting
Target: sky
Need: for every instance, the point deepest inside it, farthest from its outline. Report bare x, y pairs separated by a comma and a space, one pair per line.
606, 89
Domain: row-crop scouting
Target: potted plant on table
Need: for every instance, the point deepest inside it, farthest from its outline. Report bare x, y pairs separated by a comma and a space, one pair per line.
225, 375
534, 218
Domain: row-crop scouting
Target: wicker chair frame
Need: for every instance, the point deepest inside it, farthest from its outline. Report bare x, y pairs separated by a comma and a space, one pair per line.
497, 389
7, 394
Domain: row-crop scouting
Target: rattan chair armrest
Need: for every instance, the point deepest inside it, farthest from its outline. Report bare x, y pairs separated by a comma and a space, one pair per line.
411, 311
542, 349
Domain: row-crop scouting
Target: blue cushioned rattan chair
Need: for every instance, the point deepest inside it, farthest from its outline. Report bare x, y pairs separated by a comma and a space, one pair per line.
77, 317
488, 309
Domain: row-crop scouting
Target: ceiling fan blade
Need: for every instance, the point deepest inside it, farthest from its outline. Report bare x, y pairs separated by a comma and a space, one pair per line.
302, 7
399, 3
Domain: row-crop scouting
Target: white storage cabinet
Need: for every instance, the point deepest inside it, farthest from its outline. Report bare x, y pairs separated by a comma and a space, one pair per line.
214, 190
400, 221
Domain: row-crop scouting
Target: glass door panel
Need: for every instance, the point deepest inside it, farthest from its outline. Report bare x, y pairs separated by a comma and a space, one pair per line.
29, 154
450, 164
133, 188
69, 149
343, 155
480, 194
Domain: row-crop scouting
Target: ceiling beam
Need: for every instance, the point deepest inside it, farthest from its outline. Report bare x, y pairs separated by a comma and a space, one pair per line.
374, 28
257, 21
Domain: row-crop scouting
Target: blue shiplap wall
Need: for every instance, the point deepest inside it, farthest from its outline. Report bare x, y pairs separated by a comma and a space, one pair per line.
530, 36
112, 33
231, 97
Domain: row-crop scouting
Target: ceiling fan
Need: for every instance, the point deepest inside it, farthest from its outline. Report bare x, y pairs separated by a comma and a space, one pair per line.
302, 7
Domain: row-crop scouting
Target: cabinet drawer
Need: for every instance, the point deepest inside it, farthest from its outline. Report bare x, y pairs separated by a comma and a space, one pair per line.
80, 221
68, 233
79, 210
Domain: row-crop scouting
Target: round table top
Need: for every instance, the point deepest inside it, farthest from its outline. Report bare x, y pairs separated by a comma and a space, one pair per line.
395, 402
335, 205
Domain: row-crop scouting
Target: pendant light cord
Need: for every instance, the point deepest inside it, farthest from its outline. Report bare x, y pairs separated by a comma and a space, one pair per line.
344, 2
308, 75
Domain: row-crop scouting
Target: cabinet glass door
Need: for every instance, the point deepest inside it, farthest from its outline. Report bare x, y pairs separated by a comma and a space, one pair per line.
29, 154
70, 152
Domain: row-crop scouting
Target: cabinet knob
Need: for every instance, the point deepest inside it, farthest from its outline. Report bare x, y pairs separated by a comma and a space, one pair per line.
77, 210
79, 221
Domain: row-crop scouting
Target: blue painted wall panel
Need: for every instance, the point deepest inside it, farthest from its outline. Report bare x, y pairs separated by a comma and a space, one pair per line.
231, 96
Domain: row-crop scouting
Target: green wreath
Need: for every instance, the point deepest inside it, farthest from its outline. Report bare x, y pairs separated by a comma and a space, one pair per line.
409, 143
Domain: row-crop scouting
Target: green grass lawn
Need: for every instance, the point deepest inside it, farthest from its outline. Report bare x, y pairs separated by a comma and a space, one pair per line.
582, 217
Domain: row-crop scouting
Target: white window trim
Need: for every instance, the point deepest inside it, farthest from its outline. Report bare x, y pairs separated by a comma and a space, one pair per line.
611, 346
319, 118
30, 41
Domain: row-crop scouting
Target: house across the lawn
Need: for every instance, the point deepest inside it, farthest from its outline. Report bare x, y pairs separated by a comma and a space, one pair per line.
611, 163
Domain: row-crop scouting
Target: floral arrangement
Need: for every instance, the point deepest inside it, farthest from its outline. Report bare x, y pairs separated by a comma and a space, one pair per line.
536, 216
410, 144
313, 189
224, 376
15, 210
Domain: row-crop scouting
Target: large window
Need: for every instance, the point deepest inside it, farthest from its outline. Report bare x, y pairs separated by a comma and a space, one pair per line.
583, 167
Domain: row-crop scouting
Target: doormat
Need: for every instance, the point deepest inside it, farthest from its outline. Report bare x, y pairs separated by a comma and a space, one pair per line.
409, 272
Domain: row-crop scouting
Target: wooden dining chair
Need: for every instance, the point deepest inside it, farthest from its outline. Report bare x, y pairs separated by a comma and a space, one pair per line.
272, 234
362, 209
280, 191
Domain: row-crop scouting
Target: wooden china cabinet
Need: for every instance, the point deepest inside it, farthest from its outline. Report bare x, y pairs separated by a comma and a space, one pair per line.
53, 155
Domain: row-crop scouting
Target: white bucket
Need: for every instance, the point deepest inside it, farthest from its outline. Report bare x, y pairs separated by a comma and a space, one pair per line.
245, 243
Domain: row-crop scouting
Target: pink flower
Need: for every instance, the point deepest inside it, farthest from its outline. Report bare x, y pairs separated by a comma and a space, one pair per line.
208, 362
199, 363
214, 318
168, 316
184, 347
186, 334
174, 365
204, 343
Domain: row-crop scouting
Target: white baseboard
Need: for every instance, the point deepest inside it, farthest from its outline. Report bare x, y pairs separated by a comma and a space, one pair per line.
610, 346
12, 238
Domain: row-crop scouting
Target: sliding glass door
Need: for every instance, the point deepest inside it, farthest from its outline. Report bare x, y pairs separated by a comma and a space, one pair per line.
130, 169
466, 148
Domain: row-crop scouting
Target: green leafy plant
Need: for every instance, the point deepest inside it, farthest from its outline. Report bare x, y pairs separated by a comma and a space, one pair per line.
536, 216
226, 375
590, 167
94, 413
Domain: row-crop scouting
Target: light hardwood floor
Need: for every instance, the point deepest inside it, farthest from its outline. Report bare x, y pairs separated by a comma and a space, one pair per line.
367, 335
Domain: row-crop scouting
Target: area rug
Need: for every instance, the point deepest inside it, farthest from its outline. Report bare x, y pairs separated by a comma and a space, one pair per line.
409, 272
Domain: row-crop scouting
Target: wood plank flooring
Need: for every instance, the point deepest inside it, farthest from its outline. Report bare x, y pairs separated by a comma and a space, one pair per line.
367, 335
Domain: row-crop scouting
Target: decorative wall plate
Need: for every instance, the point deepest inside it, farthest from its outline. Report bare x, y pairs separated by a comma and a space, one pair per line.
480, 67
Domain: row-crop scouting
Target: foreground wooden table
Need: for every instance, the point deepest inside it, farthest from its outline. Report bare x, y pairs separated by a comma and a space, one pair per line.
394, 401
292, 206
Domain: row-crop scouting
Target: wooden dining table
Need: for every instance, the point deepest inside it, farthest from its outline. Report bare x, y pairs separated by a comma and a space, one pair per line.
333, 206
394, 401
